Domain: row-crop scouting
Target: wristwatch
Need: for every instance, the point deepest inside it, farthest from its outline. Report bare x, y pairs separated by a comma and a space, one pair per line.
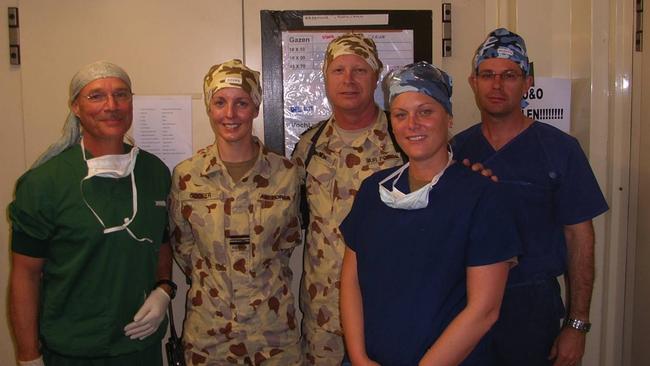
171, 285
579, 325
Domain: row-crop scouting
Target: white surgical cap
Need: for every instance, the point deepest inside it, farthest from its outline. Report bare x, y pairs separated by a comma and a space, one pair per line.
71, 129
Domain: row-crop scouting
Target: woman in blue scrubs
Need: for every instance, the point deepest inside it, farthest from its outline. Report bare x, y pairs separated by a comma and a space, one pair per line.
429, 244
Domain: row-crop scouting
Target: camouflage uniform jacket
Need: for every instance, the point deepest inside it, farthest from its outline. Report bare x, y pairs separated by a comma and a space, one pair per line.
235, 239
333, 177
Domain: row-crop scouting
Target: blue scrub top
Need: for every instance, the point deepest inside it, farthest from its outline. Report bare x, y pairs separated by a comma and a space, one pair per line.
554, 186
411, 263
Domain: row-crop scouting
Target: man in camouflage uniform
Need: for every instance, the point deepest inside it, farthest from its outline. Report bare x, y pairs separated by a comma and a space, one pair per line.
353, 144
234, 226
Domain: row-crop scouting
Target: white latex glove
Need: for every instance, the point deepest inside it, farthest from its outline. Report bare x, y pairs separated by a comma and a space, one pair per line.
148, 318
36, 362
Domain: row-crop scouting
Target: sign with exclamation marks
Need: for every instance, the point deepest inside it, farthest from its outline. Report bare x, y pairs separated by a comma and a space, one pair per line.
549, 101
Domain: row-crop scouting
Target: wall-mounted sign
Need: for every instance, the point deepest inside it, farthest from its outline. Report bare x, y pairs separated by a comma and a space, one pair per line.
162, 125
549, 101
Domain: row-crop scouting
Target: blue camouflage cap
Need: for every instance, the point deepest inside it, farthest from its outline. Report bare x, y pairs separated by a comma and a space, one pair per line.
502, 43
421, 77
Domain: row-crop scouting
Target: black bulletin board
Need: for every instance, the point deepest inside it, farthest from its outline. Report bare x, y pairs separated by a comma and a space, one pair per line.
274, 23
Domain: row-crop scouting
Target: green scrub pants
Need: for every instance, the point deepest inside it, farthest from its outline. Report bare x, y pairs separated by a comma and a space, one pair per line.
151, 356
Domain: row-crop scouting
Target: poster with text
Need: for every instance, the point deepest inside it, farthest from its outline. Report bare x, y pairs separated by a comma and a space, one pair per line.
549, 101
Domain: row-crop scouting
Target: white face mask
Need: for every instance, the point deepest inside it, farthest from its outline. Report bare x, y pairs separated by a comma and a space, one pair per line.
412, 201
113, 166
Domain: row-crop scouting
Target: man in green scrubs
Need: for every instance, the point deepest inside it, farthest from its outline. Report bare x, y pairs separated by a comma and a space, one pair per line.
91, 263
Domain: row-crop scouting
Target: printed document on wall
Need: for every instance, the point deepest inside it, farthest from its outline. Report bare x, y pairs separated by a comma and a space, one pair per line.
162, 125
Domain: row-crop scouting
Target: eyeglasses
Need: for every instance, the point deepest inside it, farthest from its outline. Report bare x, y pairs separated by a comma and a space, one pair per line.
508, 76
121, 96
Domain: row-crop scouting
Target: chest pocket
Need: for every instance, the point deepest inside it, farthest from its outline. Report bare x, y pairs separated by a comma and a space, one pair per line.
322, 170
538, 190
278, 227
535, 195
535, 203
321, 174
151, 219
205, 216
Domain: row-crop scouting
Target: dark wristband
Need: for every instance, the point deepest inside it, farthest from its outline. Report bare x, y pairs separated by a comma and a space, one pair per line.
171, 285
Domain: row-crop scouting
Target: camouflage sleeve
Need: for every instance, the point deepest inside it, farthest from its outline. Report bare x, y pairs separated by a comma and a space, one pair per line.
181, 237
298, 156
293, 233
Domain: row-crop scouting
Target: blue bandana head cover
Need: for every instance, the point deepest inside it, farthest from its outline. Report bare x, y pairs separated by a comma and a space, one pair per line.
502, 43
421, 77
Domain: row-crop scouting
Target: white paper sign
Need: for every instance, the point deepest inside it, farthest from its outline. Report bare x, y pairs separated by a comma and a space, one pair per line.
549, 101
344, 19
162, 125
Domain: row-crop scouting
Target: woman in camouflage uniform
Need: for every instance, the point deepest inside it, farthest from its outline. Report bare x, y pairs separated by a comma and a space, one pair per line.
234, 223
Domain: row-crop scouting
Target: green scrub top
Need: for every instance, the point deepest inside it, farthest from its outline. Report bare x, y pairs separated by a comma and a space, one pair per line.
93, 283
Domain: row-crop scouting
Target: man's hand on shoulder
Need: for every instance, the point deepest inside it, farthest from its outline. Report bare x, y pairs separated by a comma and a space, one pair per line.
479, 168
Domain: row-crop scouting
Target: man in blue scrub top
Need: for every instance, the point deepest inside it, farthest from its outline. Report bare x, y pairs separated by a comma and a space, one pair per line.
557, 196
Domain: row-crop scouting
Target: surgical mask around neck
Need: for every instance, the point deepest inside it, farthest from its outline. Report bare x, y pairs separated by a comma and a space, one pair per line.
113, 166
110, 166
408, 201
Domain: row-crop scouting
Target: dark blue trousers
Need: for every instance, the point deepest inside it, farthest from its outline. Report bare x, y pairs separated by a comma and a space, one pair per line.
529, 322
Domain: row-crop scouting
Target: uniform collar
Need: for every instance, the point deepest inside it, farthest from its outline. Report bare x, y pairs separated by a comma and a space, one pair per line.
214, 165
377, 135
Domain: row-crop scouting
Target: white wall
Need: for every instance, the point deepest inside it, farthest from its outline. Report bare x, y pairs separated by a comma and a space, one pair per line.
166, 46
